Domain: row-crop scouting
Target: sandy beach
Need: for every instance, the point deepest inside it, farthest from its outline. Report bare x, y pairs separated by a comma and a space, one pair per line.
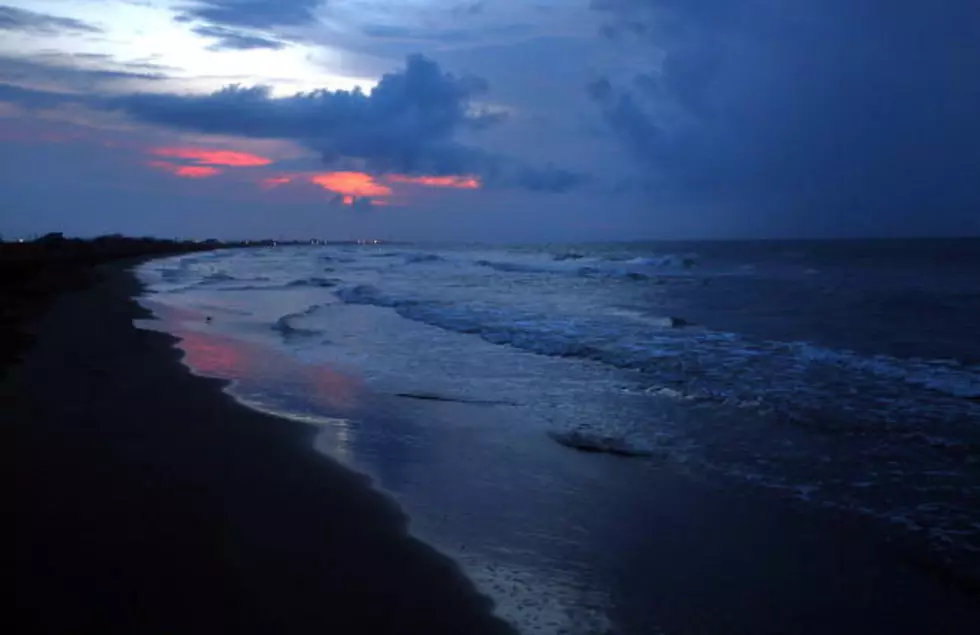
145, 500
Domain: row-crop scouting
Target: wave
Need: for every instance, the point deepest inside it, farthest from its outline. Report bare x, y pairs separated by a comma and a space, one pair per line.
364, 294
708, 366
944, 376
420, 258
664, 321
313, 282
218, 276
284, 325
592, 441
567, 266
512, 267
638, 269
293, 284
553, 336
169, 274
628, 275
623, 274
666, 261
430, 396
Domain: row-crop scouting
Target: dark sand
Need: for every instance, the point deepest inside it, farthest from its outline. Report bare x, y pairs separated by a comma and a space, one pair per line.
145, 500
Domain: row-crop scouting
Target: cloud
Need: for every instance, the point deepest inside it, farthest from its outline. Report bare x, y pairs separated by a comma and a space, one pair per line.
205, 156
186, 171
407, 124
274, 182
236, 40
67, 73
35, 99
370, 188
466, 9
14, 19
351, 184
549, 179
454, 182
429, 35
257, 14
832, 115
407, 111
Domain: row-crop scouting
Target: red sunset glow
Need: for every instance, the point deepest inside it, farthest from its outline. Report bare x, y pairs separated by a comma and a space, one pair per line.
186, 171
204, 156
451, 181
352, 187
275, 181
350, 184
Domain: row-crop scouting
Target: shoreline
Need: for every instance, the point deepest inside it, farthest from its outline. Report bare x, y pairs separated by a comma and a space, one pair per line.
147, 500
567, 542
273, 536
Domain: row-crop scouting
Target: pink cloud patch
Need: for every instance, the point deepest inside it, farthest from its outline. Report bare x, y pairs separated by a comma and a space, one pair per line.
350, 184
274, 182
204, 156
186, 171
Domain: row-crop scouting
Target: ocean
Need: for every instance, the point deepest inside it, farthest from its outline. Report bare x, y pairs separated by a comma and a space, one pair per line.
505, 396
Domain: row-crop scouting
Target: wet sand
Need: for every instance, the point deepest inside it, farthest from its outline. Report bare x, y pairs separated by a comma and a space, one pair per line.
145, 500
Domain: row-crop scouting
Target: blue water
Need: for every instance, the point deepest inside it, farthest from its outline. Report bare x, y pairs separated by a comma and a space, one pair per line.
842, 374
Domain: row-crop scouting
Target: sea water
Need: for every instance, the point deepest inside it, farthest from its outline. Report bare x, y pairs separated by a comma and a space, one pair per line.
466, 378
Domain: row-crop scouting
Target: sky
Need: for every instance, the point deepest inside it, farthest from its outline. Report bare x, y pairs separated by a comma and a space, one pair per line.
490, 120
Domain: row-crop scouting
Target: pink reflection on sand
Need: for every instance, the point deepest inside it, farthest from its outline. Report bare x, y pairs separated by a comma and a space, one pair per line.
224, 357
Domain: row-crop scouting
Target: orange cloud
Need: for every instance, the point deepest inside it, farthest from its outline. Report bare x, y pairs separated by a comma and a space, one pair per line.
350, 184
452, 181
185, 171
274, 181
204, 156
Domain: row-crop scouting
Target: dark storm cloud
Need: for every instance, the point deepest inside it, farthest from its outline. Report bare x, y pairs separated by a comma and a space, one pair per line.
854, 113
407, 123
407, 112
548, 179
236, 40
33, 99
257, 14
14, 19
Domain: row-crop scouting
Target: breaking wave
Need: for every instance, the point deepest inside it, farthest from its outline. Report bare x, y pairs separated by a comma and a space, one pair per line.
711, 366
313, 282
285, 325
420, 258
593, 441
